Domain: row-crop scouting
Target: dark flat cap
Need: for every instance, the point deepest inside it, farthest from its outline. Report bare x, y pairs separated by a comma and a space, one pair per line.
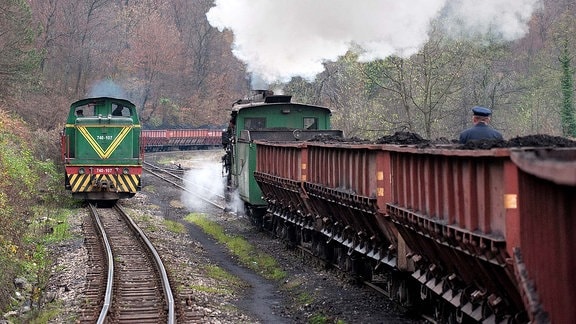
481, 111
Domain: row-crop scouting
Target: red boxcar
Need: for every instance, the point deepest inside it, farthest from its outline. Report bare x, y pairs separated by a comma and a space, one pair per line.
153, 140
546, 258
181, 139
490, 235
456, 209
336, 194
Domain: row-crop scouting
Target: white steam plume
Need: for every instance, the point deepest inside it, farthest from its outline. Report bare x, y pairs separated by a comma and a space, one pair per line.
280, 39
203, 182
506, 18
206, 182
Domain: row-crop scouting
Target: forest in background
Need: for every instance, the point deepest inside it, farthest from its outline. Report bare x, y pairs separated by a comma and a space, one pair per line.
181, 72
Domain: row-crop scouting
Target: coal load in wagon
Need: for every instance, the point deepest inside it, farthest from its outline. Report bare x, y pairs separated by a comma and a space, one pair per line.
538, 140
408, 138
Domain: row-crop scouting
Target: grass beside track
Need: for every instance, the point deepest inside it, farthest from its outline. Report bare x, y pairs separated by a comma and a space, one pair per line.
247, 254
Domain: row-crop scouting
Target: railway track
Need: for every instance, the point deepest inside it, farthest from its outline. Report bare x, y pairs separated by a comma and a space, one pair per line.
126, 280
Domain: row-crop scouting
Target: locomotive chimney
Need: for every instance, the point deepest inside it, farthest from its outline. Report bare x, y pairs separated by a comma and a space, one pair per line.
260, 95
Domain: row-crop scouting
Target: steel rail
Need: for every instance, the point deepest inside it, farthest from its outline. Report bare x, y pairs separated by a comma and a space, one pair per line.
157, 261
110, 260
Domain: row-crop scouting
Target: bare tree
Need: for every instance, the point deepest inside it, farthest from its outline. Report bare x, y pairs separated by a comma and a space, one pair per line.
17, 55
152, 56
423, 88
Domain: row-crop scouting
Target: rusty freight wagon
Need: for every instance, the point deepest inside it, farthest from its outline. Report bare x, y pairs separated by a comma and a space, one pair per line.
155, 140
466, 235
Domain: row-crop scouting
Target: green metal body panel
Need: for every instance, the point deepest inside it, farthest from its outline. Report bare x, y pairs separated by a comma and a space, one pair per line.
281, 116
285, 115
248, 189
109, 145
100, 135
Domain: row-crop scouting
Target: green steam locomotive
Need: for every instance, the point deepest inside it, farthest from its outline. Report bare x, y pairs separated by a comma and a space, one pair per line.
265, 116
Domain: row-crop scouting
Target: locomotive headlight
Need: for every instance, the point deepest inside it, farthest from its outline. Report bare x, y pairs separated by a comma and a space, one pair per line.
81, 171
125, 171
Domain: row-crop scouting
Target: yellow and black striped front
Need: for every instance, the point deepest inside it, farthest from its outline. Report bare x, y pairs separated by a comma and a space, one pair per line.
129, 183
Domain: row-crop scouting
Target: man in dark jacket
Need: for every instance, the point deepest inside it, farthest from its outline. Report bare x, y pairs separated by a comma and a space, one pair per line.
481, 129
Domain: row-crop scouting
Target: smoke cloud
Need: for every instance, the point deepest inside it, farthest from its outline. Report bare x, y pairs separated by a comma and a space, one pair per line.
107, 88
281, 39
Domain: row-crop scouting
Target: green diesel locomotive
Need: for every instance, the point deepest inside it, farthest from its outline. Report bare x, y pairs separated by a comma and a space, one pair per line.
101, 149
265, 116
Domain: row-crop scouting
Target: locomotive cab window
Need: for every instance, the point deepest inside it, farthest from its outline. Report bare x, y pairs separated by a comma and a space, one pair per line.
84, 111
254, 123
310, 123
120, 111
